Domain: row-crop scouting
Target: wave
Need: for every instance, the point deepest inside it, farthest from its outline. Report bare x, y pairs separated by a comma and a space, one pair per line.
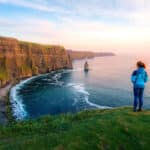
81, 89
56, 78
75, 101
18, 108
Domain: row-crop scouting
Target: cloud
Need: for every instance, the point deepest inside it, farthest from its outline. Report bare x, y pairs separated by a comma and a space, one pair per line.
84, 24
134, 12
121, 9
80, 34
42, 5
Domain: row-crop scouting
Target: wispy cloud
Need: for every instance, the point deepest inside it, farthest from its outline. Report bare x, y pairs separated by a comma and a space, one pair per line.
85, 7
35, 4
79, 35
83, 24
133, 11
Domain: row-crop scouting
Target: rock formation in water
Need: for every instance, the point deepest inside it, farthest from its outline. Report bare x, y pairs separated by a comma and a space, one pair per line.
20, 59
87, 54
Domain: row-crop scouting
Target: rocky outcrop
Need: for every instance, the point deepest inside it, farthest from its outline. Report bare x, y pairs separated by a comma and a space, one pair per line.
20, 59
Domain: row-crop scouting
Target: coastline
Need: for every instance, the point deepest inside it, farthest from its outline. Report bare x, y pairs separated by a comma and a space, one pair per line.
3, 104
6, 112
18, 108
13, 100
5, 93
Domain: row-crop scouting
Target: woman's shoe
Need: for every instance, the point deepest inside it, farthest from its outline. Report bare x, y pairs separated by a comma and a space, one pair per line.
140, 109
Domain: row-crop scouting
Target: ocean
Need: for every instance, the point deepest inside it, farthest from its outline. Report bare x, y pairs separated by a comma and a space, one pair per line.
106, 85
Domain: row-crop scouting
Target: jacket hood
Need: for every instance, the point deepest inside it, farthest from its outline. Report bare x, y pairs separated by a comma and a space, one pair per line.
141, 70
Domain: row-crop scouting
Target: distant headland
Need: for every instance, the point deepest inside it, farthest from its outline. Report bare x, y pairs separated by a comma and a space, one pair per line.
76, 54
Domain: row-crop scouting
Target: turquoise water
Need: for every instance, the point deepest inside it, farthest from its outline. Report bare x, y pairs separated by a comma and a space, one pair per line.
106, 85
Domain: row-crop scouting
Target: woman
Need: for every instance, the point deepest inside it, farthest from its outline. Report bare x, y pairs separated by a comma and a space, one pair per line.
139, 78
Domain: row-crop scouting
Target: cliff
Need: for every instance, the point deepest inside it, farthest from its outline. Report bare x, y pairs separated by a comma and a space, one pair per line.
80, 54
87, 54
103, 54
20, 59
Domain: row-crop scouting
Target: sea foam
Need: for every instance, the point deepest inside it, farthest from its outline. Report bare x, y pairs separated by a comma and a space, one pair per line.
18, 108
81, 89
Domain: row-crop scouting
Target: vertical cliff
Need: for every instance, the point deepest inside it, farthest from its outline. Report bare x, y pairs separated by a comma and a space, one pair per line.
20, 59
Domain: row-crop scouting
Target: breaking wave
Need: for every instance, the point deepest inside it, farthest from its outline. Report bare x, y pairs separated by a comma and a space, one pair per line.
18, 107
81, 89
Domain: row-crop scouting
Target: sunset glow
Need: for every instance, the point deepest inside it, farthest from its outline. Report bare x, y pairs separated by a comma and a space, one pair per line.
121, 26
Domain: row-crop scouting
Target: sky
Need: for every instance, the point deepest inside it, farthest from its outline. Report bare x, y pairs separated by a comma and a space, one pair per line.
121, 26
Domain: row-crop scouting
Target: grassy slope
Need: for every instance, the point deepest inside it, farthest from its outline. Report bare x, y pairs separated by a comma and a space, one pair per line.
118, 129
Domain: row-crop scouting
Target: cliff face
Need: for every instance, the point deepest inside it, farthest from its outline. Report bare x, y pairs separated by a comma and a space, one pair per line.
23, 59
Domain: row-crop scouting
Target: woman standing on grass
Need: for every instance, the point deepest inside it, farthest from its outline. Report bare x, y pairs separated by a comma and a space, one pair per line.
139, 78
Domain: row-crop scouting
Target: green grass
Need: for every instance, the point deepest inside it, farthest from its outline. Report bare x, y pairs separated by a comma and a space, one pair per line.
117, 129
33, 44
9, 115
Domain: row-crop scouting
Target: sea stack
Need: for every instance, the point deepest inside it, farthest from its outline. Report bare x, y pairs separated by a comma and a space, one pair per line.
86, 66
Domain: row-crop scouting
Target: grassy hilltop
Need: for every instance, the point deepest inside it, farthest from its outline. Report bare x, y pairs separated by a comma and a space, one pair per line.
116, 129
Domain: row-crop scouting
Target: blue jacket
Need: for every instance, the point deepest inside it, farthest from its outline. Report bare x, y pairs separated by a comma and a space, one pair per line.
139, 78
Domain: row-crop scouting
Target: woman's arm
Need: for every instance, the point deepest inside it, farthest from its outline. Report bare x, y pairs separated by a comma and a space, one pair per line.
133, 77
146, 77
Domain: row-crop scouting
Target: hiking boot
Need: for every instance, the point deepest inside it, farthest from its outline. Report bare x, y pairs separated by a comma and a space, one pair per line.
140, 109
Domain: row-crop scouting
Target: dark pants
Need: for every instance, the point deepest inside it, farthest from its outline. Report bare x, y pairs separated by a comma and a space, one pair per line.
138, 97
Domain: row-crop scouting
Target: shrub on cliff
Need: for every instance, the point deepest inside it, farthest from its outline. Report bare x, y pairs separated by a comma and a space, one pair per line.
35, 70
